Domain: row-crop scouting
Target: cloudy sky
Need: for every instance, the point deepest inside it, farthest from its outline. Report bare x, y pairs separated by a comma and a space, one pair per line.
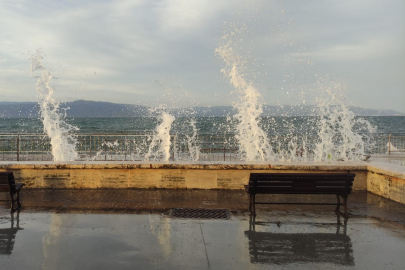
134, 51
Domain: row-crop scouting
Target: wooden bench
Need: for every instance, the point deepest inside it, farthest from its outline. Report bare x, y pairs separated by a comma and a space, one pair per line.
339, 184
8, 184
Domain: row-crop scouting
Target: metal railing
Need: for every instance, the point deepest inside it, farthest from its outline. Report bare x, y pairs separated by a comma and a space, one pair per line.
99, 147
206, 147
388, 144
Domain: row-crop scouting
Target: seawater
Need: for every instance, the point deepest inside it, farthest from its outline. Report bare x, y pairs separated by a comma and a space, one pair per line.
204, 125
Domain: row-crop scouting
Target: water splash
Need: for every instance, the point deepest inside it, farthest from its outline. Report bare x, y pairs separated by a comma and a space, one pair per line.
159, 149
341, 135
192, 143
253, 141
107, 147
175, 103
62, 140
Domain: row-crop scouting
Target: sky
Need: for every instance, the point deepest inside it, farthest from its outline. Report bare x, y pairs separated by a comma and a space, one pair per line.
146, 52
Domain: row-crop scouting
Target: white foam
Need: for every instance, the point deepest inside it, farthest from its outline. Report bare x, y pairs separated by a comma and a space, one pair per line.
339, 131
159, 149
252, 140
62, 140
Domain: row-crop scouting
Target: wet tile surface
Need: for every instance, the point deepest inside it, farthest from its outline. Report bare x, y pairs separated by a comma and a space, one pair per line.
132, 229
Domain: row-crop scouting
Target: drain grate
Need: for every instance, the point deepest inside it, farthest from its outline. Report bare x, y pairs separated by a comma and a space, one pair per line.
200, 213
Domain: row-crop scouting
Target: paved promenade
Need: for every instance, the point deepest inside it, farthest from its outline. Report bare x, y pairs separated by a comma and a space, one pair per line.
133, 229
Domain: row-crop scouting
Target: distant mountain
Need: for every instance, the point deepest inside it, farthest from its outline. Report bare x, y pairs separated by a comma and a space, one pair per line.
82, 108
79, 108
18, 109
290, 111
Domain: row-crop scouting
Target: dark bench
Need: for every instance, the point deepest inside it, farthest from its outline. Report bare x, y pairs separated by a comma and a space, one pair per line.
339, 184
8, 184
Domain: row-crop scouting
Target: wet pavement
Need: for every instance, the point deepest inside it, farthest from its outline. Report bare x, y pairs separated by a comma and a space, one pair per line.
133, 229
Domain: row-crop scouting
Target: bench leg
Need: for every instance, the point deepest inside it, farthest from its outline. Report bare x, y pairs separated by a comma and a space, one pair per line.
252, 221
344, 214
250, 204
12, 203
337, 210
18, 199
253, 205
15, 200
252, 208
345, 206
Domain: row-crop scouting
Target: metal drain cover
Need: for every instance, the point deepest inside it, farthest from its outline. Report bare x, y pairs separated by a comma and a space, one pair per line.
200, 213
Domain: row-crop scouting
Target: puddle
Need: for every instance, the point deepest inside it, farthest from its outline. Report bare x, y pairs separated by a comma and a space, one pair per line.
50, 240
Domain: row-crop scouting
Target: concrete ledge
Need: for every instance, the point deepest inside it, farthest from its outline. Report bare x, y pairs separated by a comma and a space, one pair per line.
312, 166
386, 180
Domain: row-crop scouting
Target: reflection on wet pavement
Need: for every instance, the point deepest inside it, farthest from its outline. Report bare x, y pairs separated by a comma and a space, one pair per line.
84, 230
287, 248
7, 235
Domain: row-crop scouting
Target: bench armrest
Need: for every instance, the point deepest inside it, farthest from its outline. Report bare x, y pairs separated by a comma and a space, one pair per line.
18, 186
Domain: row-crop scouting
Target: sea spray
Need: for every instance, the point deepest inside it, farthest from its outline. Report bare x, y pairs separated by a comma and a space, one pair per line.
253, 141
159, 149
192, 142
62, 140
340, 135
175, 103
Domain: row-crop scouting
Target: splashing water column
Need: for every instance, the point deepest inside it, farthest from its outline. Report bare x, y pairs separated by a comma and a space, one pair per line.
193, 148
253, 141
62, 141
338, 129
159, 148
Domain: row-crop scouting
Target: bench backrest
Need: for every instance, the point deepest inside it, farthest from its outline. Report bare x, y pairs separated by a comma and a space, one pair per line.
6, 181
301, 183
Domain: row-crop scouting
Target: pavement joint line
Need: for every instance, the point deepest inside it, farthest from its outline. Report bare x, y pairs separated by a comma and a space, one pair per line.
205, 247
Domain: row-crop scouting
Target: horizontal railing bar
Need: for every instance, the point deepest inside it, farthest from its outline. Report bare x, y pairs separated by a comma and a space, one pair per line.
121, 146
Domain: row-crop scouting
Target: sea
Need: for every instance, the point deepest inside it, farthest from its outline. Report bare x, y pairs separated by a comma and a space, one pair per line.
277, 125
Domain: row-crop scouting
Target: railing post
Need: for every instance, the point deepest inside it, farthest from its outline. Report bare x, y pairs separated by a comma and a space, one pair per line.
389, 144
174, 147
125, 145
90, 147
105, 149
18, 147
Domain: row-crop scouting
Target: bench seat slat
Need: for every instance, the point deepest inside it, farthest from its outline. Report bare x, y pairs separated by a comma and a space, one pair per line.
302, 192
303, 189
298, 180
302, 175
300, 186
293, 183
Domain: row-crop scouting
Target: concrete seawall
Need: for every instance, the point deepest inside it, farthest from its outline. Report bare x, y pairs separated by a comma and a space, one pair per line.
382, 179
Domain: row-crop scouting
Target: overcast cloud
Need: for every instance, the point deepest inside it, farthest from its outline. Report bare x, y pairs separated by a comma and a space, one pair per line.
131, 51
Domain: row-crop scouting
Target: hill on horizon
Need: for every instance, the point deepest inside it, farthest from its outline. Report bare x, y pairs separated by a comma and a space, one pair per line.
84, 108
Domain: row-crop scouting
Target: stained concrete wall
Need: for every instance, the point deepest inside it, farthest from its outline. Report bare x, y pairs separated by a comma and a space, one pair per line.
382, 179
140, 175
387, 181
147, 178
